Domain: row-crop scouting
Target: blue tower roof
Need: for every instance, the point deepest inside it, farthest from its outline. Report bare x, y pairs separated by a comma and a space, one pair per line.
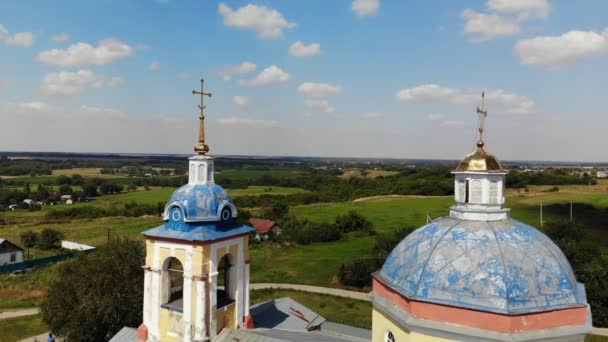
503, 266
200, 202
199, 212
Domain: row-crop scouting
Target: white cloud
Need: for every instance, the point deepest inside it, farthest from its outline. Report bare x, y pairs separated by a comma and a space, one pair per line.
512, 103
32, 106
436, 116
524, 9
557, 51
97, 111
240, 121
154, 66
75, 82
107, 51
453, 123
241, 101
270, 75
373, 115
62, 37
298, 49
319, 89
320, 104
244, 68
268, 23
19, 38
116, 81
488, 26
365, 7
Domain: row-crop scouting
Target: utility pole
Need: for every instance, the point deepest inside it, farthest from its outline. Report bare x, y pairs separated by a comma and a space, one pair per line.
571, 220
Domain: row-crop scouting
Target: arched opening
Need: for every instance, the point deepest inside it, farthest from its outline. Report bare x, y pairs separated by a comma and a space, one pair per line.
225, 281
389, 337
173, 284
466, 192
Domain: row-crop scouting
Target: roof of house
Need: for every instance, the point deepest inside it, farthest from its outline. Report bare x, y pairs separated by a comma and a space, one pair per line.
262, 226
126, 334
12, 244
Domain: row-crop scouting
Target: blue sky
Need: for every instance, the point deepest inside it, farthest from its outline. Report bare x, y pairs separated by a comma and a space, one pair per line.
370, 78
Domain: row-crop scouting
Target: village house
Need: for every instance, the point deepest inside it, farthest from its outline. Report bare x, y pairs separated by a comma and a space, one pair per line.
66, 199
10, 253
265, 229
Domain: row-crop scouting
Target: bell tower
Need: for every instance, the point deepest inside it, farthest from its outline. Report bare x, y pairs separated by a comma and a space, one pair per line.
196, 280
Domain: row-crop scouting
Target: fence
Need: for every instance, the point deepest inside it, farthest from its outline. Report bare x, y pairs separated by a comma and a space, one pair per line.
39, 262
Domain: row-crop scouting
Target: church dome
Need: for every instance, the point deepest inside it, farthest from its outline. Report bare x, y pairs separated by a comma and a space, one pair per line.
199, 202
480, 160
503, 266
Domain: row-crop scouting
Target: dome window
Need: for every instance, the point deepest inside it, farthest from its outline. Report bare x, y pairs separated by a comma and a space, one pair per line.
475, 191
176, 214
226, 213
493, 193
389, 337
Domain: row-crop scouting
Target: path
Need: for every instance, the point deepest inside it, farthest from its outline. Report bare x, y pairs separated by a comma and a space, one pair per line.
315, 289
599, 331
19, 312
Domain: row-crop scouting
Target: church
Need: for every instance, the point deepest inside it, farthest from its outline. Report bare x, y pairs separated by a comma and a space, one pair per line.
474, 275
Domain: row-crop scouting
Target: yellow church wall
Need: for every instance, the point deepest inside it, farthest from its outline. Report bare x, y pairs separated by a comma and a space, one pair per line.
170, 325
381, 324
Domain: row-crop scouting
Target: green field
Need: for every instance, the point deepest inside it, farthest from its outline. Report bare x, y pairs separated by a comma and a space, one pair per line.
15, 329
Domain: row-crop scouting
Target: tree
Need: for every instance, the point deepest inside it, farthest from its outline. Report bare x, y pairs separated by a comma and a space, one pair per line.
29, 238
65, 189
77, 179
352, 222
90, 189
277, 210
132, 187
50, 238
97, 294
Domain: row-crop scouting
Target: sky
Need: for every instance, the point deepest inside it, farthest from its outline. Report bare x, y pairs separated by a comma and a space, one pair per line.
341, 78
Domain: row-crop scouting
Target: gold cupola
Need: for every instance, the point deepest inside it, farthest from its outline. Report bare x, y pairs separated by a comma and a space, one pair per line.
480, 160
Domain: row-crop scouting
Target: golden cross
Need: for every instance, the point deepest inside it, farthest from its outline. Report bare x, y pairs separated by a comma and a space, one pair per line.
483, 113
201, 148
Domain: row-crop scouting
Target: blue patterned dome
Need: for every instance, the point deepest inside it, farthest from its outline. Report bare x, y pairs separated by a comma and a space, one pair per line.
199, 202
501, 266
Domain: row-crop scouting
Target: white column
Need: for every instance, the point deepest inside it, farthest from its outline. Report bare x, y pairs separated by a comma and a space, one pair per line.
213, 305
199, 327
246, 291
155, 293
187, 307
147, 297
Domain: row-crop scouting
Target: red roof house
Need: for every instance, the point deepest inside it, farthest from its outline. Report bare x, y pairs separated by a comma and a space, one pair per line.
264, 227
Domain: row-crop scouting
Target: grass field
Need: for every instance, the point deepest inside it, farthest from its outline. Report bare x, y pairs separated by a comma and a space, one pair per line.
353, 312
15, 329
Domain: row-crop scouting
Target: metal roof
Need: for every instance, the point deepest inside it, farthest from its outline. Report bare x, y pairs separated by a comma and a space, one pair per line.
125, 334
502, 266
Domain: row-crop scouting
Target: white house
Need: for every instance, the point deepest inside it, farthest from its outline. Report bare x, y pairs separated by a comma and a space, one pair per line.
9, 252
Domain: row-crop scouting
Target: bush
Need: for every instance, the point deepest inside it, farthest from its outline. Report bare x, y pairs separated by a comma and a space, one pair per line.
352, 221
29, 238
358, 273
50, 238
305, 232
